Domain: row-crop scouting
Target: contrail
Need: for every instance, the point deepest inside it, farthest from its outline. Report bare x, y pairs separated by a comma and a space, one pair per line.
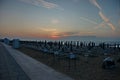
103, 17
43, 3
86, 19
107, 21
96, 4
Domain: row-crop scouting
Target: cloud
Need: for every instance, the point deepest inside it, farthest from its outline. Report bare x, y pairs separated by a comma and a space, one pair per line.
102, 24
55, 21
70, 33
48, 29
107, 21
75, 33
111, 25
54, 33
63, 34
96, 4
43, 3
103, 17
88, 20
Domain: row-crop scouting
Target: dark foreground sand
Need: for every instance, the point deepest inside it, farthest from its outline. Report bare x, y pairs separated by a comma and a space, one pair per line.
83, 70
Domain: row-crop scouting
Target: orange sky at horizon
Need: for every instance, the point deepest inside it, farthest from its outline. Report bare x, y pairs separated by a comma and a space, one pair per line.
60, 18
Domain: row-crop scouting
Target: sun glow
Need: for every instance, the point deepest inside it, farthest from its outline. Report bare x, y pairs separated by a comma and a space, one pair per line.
55, 37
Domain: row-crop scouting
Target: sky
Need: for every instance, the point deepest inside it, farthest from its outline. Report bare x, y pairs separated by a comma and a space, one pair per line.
56, 19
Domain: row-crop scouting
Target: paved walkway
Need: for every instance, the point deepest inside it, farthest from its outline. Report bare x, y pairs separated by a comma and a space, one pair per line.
9, 69
34, 69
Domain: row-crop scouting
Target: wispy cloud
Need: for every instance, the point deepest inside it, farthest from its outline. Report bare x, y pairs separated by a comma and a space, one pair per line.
75, 33
107, 21
48, 29
64, 34
55, 21
102, 24
43, 3
55, 33
111, 25
88, 20
94, 2
72, 33
103, 17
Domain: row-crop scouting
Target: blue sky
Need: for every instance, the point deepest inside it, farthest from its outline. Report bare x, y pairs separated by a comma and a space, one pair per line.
59, 18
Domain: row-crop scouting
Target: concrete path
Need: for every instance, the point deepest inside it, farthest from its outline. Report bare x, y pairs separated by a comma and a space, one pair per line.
9, 69
34, 69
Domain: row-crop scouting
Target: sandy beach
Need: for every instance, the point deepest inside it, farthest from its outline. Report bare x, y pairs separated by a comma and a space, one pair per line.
78, 69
